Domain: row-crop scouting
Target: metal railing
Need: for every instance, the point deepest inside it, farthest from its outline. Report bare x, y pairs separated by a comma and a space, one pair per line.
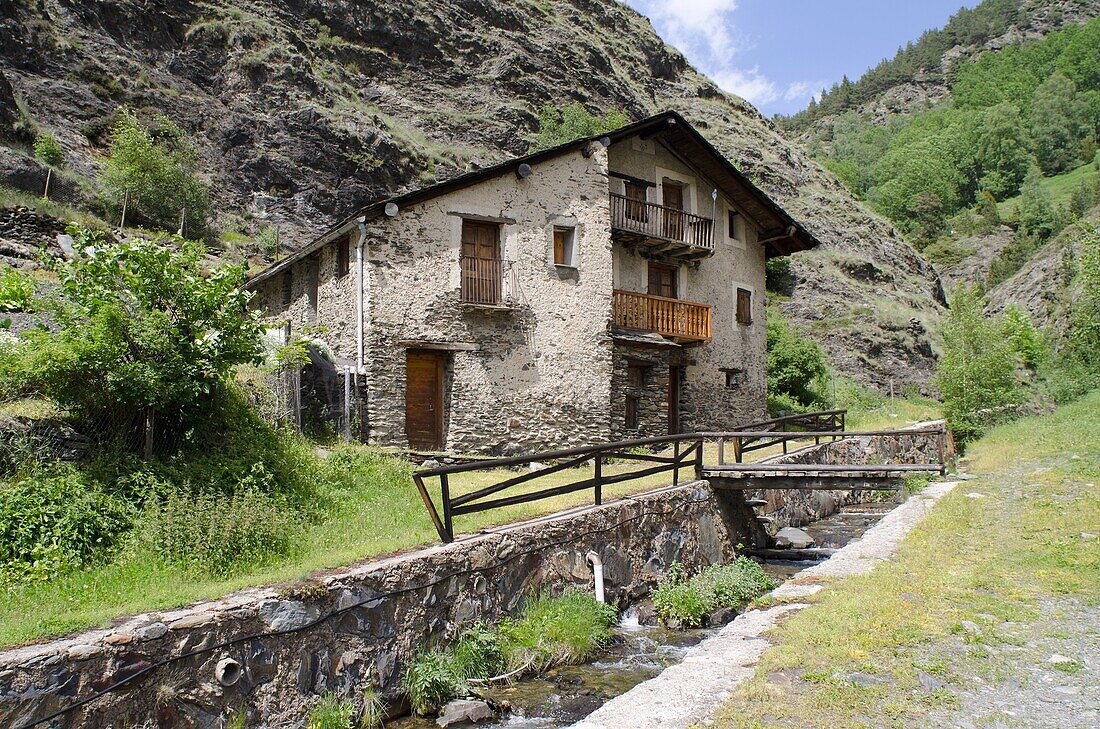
659, 221
660, 314
687, 452
487, 281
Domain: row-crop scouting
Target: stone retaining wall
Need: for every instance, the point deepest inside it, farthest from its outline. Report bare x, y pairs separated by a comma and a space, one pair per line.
477, 578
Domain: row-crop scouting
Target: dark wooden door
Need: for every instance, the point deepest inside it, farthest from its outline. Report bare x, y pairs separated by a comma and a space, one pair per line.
673, 400
424, 399
673, 200
482, 275
662, 280
636, 202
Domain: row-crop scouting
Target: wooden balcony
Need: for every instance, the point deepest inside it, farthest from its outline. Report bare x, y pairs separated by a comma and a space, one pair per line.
661, 229
684, 321
488, 282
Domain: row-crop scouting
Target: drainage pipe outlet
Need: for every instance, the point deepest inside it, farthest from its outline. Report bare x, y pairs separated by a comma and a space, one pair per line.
597, 573
227, 672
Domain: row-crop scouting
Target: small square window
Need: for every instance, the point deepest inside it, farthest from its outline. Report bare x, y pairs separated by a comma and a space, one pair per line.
287, 285
744, 306
733, 225
734, 378
564, 246
636, 376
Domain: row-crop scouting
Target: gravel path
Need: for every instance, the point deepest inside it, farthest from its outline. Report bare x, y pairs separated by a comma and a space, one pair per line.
687, 693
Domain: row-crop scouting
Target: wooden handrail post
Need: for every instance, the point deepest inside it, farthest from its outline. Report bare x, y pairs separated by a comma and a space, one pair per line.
599, 478
699, 459
676, 463
737, 455
941, 442
448, 521
784, 445
721, 451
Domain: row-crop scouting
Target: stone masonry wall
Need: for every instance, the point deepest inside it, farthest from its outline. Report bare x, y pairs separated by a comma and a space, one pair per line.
706, 402
535, 376
652, 395
483, 577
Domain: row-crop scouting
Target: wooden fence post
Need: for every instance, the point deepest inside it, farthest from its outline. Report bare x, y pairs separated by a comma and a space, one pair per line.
149, 419
676, 463
445, 494
599, 478
699, 460
721, 451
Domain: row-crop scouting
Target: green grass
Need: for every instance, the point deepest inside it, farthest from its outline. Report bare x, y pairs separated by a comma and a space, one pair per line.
1060, 187
982, 562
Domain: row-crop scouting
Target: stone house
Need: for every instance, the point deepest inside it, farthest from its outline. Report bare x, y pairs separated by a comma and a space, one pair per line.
604, 289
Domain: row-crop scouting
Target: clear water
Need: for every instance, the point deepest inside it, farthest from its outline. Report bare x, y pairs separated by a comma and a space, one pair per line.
565, 695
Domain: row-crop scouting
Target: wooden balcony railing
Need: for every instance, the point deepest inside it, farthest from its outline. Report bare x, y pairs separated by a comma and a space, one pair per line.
487, 281
658, 221
668, 317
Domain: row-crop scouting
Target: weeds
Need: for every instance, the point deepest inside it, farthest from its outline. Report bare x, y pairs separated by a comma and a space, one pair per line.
689, 601
331, 713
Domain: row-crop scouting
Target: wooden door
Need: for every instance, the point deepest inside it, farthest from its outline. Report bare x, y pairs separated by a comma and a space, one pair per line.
673, 199
673, 400
482, 275
424, 399
662, 280
636, 202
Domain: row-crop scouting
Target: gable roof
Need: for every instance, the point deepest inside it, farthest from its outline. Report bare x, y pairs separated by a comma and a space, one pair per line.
780, 233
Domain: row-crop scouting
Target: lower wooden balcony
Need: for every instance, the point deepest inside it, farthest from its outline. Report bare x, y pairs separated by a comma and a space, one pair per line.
682, 321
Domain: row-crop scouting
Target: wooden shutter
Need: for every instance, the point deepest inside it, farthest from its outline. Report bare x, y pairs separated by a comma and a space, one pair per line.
744, 306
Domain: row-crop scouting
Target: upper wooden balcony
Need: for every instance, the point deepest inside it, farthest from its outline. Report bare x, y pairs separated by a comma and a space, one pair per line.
660, 228
682, 321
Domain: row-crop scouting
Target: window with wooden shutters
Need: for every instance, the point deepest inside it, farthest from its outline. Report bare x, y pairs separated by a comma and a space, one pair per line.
564, 246
343, 257
744, 306
733, 225
631, 411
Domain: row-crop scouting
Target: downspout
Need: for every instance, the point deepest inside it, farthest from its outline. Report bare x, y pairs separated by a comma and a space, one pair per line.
597, 573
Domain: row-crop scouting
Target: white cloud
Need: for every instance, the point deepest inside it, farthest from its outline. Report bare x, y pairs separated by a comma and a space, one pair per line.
749, 84
705, 30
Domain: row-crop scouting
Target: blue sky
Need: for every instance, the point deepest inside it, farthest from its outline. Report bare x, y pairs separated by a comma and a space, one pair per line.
779, 53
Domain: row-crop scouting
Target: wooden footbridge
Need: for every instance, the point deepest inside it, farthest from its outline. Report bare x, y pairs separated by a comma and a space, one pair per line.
557, 473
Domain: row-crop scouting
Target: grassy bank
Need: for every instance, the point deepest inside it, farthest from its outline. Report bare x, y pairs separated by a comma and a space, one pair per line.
980, 574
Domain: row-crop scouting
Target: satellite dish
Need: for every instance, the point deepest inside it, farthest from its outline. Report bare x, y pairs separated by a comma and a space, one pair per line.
605, 141
524, 171
391, 209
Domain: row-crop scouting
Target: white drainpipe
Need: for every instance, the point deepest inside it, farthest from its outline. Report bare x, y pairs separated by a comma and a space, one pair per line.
360, 352
597, 572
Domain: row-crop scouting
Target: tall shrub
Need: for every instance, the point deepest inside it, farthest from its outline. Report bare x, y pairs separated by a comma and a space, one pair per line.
561, 125
153, 171
796, 364
142, 325
977, 373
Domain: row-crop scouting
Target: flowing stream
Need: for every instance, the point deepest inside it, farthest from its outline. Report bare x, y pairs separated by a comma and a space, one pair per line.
567, 694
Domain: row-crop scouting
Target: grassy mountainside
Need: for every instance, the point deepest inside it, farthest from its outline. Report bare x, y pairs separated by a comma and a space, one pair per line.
303, 109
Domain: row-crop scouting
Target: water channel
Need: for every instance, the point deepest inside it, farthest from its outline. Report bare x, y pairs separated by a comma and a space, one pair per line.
567, 694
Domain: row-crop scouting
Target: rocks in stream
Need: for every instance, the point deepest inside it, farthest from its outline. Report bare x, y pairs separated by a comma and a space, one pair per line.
464, 711
793, 538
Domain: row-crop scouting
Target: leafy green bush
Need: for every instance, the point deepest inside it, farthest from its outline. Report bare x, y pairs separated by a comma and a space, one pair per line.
690, 601
549, 631
331, 713
976, 375
1026, 340
556, 630
141, 326
216, 534
1075, 369
48, 150
153, 170
16, 291
795, 364
57, 521
561, 125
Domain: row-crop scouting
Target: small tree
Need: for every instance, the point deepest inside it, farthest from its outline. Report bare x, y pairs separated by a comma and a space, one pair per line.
795, 364
153, 171
48, 150
561, 125
977, 373
142, 325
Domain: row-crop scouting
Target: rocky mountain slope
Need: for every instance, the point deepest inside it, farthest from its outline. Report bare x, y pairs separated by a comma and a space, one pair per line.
304, 109
928, 85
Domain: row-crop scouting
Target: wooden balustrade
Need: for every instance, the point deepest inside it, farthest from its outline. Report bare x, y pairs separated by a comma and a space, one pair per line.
668, 317
487, 281
661, 222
